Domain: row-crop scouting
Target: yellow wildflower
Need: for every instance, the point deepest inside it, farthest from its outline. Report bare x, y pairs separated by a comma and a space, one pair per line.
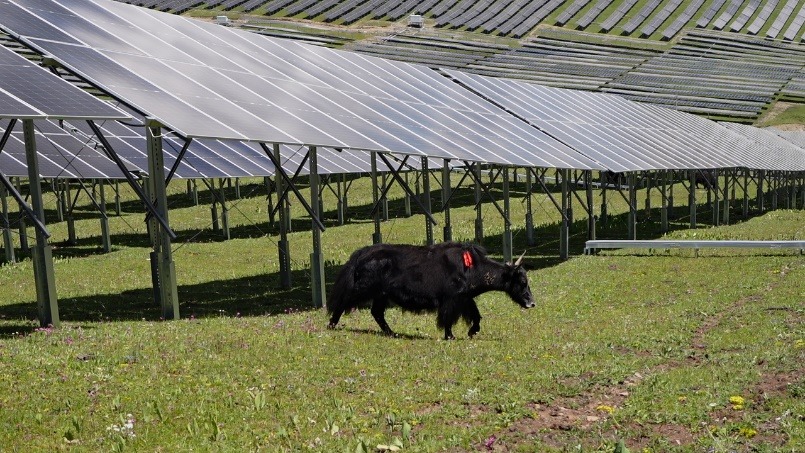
747, 432
605, 408
738, 402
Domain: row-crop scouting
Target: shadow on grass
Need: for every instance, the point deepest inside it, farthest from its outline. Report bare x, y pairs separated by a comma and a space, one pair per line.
380, 333
248, 296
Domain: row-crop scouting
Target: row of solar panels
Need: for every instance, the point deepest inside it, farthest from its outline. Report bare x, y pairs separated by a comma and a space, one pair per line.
517, 18
735, 65
225, 87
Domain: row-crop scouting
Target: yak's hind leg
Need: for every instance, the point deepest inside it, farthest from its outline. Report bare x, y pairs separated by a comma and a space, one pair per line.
447, 316
472, 316
379, 305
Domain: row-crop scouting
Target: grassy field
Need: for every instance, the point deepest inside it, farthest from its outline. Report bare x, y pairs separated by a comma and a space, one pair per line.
661, 351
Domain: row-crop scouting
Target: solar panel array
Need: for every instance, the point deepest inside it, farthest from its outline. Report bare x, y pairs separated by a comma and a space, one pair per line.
745, 15
710, 13
555, 61
237, 85
681, 20
782, 18
620, 134
762, 17
660, 17
728, 13
795, 26
715, 74
616, 16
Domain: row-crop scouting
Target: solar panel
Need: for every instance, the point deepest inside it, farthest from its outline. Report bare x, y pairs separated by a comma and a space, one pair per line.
28, 91
203, 80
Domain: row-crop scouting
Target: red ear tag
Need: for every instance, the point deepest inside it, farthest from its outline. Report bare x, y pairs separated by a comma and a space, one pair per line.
467, 259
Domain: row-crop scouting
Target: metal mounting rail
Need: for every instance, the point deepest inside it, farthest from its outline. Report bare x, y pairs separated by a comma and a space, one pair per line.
592, 246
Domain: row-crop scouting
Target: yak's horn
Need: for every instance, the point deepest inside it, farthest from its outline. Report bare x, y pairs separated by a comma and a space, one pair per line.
519, 260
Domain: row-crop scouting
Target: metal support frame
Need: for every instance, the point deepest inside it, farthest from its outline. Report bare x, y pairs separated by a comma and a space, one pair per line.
25, 212
664, 178
162, 254
106, 238
278, 168
588, 183
485, 190
69, 205
529, 209
564, 230
377, 236
447, 193
507, 228
283, 247
424, 206
692, 198
149, 206
725, 215
382, 201
479, 219
632, 205
426, 202
715, 189
224, 209
8, 242
42, 253
318, 293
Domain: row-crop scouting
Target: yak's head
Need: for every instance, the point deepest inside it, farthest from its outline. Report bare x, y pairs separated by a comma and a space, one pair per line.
517, 284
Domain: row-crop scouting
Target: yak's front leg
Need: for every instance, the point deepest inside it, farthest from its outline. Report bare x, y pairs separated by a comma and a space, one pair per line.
472, 316
379, 305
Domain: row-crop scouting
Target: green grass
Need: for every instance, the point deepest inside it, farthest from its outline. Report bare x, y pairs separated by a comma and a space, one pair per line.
641, 347
795, 114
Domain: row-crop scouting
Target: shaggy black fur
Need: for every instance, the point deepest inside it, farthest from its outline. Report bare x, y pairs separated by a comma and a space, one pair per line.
425, 278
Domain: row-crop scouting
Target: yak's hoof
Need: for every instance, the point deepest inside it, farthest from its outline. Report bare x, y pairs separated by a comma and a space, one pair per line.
331, 325
473, 330
449, 337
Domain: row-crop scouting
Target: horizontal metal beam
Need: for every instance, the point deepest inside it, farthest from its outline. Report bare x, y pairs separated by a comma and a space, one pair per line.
688, 244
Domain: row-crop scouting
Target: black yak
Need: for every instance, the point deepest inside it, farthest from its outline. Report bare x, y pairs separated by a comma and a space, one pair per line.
705, 178
443, 278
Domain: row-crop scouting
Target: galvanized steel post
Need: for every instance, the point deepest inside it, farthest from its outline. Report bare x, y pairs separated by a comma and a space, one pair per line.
42, 253
316, 258
284, 220
166, 270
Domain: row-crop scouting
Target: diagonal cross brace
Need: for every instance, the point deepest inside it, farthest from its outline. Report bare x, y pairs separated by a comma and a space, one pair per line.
278, 168
152, 210
486, 191
28, 211
387, 188
407, 189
